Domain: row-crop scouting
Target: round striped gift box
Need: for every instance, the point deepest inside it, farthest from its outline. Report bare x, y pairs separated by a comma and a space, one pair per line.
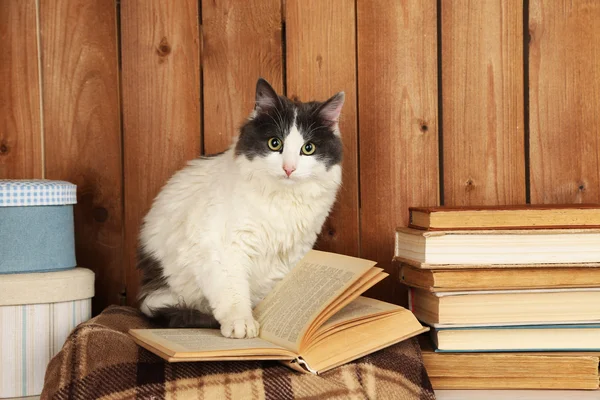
37, 313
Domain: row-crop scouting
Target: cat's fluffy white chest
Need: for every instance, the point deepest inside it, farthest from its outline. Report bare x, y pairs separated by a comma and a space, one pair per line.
279, 233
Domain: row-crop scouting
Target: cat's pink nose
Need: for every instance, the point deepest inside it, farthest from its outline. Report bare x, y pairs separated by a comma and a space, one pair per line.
288, 170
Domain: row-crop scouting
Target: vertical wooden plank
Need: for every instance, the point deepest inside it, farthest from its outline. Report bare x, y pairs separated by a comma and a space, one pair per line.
321, 61
82, 130
482, 102
564, 94
20, 135
398, 127
161, 106
241, 41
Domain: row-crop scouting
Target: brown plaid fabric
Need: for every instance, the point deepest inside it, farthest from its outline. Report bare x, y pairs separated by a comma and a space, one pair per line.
100, 361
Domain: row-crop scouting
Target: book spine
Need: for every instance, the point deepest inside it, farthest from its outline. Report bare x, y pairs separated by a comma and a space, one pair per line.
300, 365
503, 228
421, 228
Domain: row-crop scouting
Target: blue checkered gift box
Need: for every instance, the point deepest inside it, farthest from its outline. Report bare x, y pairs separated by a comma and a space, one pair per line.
36, 225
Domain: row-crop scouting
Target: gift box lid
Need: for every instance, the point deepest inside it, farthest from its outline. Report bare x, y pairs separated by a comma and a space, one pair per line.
36, 192
46, 287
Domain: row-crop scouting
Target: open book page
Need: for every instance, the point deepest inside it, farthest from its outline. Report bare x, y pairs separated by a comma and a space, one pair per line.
360, 308
318, 279
359, 311
362, 339
368, 280
207, 342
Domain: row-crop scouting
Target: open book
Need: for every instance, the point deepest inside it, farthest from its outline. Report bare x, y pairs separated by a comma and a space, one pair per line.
313, 320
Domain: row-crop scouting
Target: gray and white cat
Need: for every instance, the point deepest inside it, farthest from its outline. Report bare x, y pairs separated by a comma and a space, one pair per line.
225, 229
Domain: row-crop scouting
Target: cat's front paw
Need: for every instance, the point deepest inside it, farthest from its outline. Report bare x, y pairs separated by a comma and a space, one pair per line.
240, 328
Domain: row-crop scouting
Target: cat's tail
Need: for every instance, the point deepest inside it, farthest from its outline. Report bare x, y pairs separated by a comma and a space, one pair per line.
181, 316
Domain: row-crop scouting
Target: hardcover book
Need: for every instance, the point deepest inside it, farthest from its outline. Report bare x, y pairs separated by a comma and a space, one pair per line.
506, 307
526, 338
447, 280
549, 370
531, 216
498, 248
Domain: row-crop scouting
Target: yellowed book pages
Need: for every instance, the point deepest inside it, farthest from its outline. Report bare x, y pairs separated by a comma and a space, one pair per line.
459, 249
491, 383
305, 320
361, 329
360, 340
534, 306
359, 311
286, 313
183, 344
460, 266
362, 285
440, 280
363, 306
507, 338
533, 365
507, 217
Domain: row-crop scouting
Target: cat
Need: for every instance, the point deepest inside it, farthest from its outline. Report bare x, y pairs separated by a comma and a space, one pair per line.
226, 228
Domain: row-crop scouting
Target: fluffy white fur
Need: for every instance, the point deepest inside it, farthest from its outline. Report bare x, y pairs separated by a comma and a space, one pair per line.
227, 229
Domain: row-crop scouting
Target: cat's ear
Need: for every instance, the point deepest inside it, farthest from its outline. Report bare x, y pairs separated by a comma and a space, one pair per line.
266, 97
331, 109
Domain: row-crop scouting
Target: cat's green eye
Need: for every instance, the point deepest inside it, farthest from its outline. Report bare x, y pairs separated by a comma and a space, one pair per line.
308, 148
275, 144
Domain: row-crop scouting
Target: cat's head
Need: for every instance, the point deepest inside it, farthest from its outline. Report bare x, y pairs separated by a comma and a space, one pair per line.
291, 141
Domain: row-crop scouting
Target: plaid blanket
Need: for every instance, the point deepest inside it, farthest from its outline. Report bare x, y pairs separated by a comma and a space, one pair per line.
99, 360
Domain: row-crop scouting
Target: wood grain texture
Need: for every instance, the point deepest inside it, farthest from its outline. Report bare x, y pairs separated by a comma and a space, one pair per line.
241, 41
161, 106
321, 61
20, 135
482, 102
398, 127
564, 101
82, 130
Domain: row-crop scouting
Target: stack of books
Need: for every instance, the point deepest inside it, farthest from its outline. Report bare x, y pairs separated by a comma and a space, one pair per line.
511, 293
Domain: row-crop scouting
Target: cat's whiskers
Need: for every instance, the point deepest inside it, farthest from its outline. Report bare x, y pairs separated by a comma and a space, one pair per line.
308, 129
280, 117
274, 122
314, 130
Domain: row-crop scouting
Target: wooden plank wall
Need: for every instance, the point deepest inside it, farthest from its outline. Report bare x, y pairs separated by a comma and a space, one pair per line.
482, 102
564, 101
398, 123
20, 124
160, 53
82, 132
447, 101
